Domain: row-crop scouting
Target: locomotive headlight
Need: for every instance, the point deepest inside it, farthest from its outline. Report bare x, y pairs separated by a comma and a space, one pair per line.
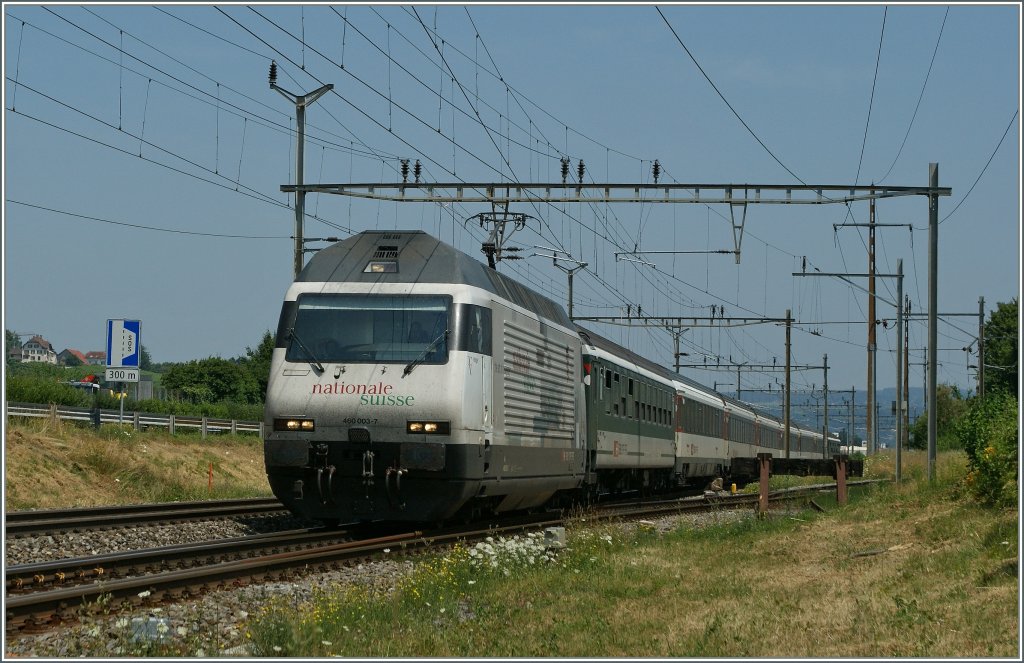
301, 425
429, 427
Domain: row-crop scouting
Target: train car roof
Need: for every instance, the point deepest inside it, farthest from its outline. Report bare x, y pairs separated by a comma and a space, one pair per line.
413, 256
608, 345
598, 341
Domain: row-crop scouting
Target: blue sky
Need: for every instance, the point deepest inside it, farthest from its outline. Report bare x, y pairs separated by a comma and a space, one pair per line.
144, 154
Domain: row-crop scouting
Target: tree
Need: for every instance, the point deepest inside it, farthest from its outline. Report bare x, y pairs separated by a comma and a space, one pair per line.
145, 361
988, 433
11, 342
257, 361
949, 406
1001, 335
212, 380
12, 339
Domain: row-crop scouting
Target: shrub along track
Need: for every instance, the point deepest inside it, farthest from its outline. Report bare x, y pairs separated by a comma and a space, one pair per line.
39, 598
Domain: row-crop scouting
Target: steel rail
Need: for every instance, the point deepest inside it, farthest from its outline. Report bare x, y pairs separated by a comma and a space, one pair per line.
23, 523
39, 576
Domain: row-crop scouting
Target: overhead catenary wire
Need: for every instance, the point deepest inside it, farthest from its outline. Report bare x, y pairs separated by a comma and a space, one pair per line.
140, 226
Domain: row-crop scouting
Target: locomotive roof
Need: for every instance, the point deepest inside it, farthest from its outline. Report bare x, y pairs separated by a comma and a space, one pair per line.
420, 258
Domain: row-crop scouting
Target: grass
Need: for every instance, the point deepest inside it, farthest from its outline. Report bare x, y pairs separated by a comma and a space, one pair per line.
909, 570
55, 464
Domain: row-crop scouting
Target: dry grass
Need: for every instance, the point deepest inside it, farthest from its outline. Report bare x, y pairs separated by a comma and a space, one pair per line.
49, 464
901, 573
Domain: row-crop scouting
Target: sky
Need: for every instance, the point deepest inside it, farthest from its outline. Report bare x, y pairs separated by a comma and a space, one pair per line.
144, 154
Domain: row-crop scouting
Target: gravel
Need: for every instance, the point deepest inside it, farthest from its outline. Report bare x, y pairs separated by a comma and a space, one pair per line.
219, 616
25, 550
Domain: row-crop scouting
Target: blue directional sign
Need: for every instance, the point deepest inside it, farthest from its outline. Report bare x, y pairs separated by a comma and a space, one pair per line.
124, 338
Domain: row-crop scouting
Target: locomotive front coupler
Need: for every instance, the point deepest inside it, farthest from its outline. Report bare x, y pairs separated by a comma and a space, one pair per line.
393, 485
321, 466
368, 471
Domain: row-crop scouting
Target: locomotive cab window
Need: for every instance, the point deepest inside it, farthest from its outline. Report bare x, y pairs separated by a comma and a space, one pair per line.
370, 328
472, 329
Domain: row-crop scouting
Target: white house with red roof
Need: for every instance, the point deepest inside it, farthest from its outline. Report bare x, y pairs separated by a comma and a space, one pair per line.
38, 349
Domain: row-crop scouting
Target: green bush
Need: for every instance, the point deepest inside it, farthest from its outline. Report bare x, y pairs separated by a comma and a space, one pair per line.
219, 410
43, 388
989, 435
29, 389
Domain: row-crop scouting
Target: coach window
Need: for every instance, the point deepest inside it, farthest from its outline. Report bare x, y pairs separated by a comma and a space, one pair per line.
607, 378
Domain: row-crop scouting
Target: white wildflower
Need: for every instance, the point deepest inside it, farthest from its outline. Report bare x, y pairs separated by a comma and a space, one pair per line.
277, 648
143, 594
326, 643
182, 631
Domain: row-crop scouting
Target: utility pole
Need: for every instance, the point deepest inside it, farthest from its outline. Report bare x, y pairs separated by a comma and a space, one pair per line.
933, 307
570, 272
981, 347
871, 328
906, 375
300, 101
675, 337
872, 427
825, 438
789, 321
900, 392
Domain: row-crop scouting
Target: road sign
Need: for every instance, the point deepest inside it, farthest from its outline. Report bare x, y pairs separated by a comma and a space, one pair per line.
124, 339
122, 375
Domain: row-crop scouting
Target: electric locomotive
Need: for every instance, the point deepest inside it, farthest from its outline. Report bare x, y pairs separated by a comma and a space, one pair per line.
411, 382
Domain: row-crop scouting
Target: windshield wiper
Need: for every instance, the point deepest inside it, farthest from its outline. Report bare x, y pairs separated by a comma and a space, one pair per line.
312, 358
430, 348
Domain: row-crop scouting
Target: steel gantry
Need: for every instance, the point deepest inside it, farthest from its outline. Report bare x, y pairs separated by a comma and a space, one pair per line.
737, 196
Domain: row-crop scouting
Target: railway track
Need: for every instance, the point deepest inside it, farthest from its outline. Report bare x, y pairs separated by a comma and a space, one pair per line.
42, 596
78, 519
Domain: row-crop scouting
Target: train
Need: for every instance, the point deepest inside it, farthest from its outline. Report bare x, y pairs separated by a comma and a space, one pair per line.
411, 382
